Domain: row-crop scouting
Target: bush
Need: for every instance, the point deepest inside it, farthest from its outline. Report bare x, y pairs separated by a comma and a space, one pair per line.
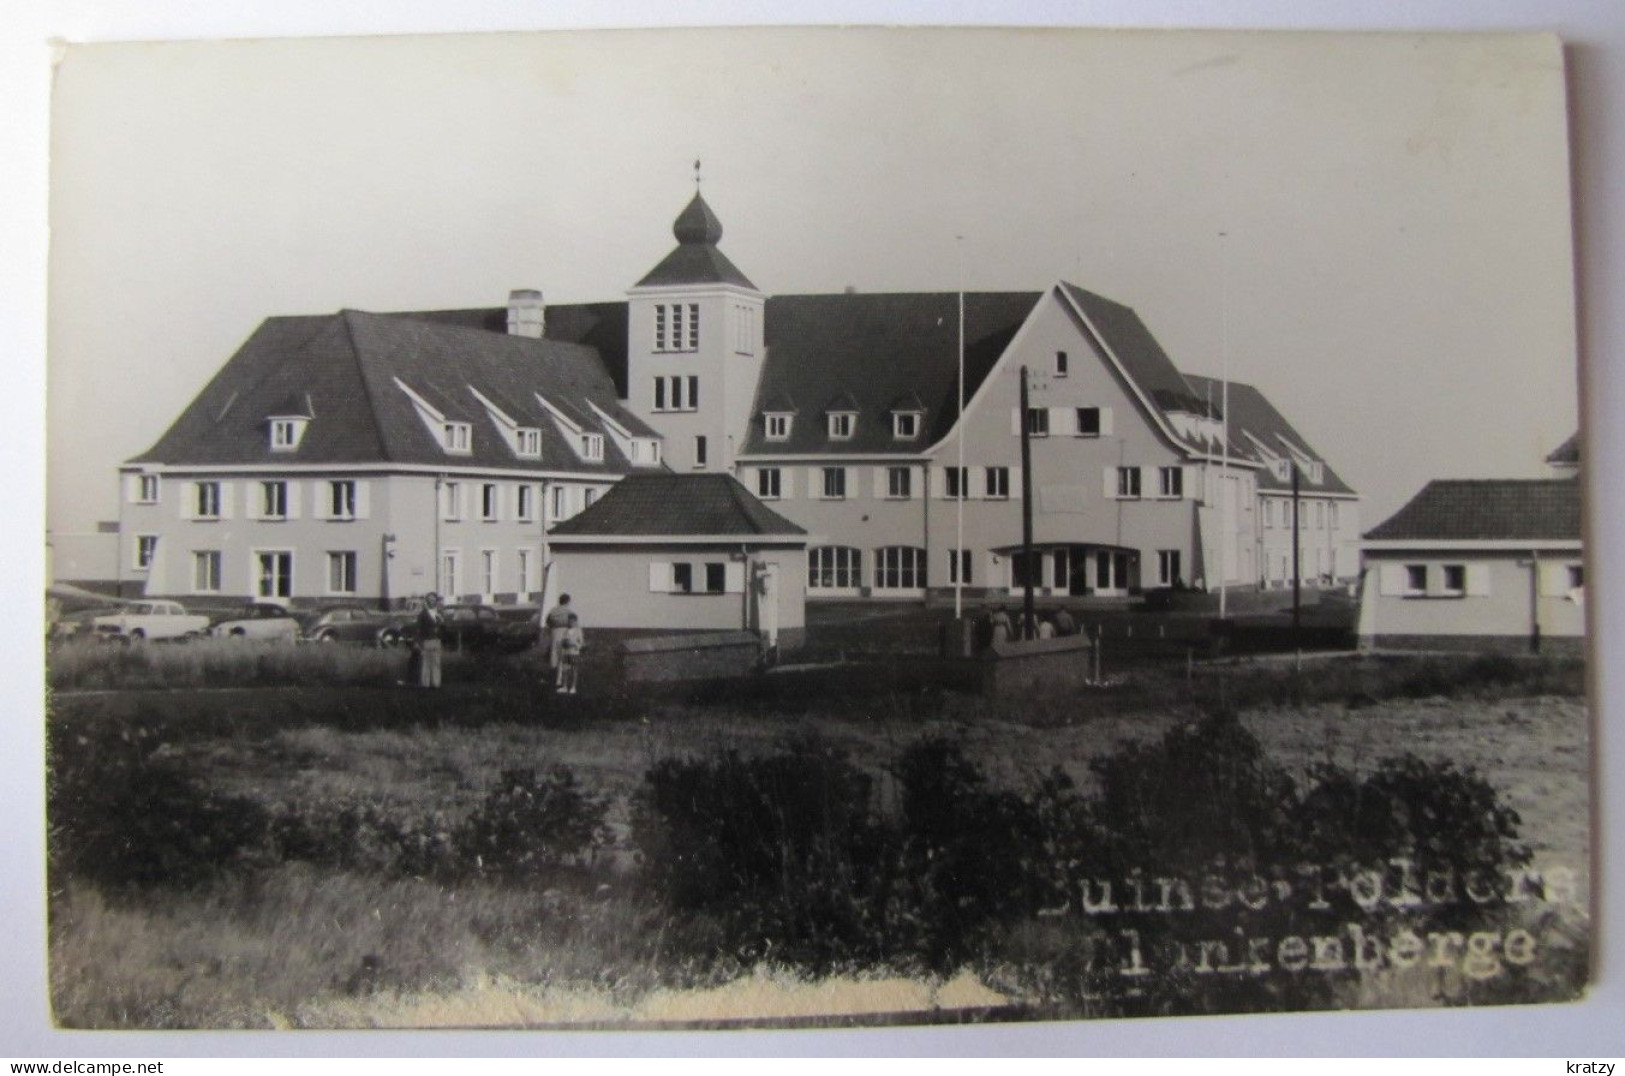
530, 826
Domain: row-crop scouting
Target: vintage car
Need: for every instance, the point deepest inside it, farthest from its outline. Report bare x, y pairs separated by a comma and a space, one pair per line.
258, 620
480, 628
355, 624
154, 620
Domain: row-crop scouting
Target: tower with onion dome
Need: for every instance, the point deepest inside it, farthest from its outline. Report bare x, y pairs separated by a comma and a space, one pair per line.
694, 346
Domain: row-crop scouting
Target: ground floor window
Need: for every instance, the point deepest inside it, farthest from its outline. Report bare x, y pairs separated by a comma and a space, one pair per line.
959, 567
526, 563
450, 573
1026, 568
146, 548
275, 575
834, 567
1168, 573
341, 573
206, 571
899, 567
488, 571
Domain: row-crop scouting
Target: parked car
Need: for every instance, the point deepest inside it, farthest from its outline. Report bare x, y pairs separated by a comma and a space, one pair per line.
355, 624
143, 620
480, 628
259, 620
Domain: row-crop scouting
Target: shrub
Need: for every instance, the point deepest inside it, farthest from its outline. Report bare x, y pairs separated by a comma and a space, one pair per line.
530, 826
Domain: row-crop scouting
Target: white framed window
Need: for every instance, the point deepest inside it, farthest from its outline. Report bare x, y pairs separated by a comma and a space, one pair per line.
528, 441
146, 548
147, 489
660, 327
341, 499
841, 425
273, 573
592, 447
834, 483
1128, 482
899, 567
682, 578
691, 340
524, 502
1038, 422
527, 569
1171, 482
454, 437
998, 483
561, 502
451, 573
701, 454
769, 483
956, 481
451, 501
744, 329
1453, 580
1416, 579
645, 452
677, 327
285, 433
778, 426
899, 483
1088, 422
206, 571
959, 567
341, 572
677, 392
1331, 516
488, 571
206, 500
490, 504
1168, 567
1061, 364
905, 425
273, 500
834, 567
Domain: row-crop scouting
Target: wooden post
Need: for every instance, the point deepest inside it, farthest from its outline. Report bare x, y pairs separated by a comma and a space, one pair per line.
1028, 617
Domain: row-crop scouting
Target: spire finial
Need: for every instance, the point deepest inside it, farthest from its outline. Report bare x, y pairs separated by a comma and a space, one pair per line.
696, 173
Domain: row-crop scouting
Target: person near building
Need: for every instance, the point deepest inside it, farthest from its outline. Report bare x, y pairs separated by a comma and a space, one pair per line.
430, 626
555, 624
1064, 624
570, 647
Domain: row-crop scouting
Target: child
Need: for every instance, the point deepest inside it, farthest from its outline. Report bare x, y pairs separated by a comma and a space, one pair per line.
569, 656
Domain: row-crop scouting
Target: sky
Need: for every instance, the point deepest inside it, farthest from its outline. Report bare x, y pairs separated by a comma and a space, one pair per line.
1373, 229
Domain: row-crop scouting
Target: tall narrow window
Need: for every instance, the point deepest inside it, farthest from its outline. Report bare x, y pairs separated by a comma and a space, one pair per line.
274, 500
699, 451
998, 483
489, 505
341, 574
341, 499
959, 569
692, 342
834, 483
206, 571
1038, 421
148, 493
275, 575
146, 548
899, 483
1168, 567
488, 571
660, 328
208, 500
451, 495
955, 486
1128, 482
768, 483
525, 502
1060, 364
1170, 481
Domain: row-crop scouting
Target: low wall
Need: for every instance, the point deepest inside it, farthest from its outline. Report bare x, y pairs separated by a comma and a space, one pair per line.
1015, 666
672, 658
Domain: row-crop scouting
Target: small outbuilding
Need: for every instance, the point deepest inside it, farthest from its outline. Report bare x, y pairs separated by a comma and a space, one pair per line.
1491, 565
684, 552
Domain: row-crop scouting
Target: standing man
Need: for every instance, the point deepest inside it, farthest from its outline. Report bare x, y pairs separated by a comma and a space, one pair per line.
557, 622
430, 624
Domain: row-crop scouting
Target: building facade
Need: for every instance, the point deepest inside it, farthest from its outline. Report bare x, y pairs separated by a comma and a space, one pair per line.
376, 456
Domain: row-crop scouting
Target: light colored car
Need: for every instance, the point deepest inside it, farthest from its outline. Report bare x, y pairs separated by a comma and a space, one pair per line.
265, 621
144, 620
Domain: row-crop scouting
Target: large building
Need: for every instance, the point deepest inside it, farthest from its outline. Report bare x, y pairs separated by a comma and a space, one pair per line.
376, 456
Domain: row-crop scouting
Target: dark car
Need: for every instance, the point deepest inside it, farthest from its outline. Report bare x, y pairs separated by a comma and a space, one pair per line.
355, 624
265, 621
481, 628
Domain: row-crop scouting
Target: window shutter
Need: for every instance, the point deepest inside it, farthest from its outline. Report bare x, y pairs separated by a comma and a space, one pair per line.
363, 500
1478, 580
1015, 483
1063, 419
1105, 422
186, 503
815, 482
1189, 480
321, 500
1392, 579
1554, 579
733, 577
295, 495
226, 490
1015, 422
939, 483
880, 483
659, 577
787, 482
1108, 487
852, 487
132, 487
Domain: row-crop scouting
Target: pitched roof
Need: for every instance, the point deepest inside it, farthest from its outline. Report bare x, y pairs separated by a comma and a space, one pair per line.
351, 365
1127, 337
874, 350
1252, 413
675, 505
696, 260
1488, 509
1567, 452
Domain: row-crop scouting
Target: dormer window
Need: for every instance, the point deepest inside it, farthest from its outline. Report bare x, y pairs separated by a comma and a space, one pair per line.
778, 426
454, 436
286, 432
528, 442
905, 425
592, 447
645, 452
841, 424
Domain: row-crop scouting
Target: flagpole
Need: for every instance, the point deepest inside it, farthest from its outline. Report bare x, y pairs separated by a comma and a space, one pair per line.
1224, 419
959, 505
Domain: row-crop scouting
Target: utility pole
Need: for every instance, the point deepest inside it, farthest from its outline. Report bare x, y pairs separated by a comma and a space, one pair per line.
1297, 576
1028, 616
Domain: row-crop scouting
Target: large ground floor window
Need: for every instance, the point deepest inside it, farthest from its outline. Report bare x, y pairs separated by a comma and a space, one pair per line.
834, 567
274, 575
899, 567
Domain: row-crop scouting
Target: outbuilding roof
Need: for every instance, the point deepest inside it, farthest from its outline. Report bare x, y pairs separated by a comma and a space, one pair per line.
1251, 413
677, 505
1537, 509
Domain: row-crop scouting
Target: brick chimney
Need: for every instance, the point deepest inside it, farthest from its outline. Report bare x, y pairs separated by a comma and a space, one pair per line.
527, 315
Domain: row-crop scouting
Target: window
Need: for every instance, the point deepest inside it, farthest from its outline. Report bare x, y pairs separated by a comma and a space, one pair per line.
1331, 515
285, 433
1455, 580
588, 496
778, 427
716, 577
959, 567
524, 502
489, 504
1088, 422
744, 329
488, 571
1038, 421
454, 436
341, 574
905, 425
899, 483
955, 482
147, 489
1320, 516
206, 571
341, 499
275, 575
560, 502
834, 483
1023, 569
841, 424
1128, 482
768, 483
451, 572
1170, 481
834, 567
677, 327
1060, 364
208, 500
274, 500
1577, 576
700, 451
1416, 578
592, 447
1168, 567
692, 342
528, 441
146, 547
677, 393
660, 328
526, 564
451, 497
998, 483
899, 567
682, 578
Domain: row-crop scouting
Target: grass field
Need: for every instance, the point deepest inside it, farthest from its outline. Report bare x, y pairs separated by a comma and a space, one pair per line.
363, 942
